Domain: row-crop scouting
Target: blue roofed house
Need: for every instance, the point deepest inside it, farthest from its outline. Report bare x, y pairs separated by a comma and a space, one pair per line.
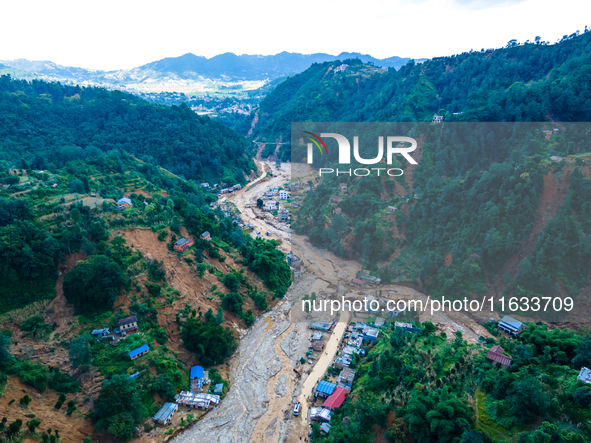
101, 332
136, 353
218, 388
206, 236
197, 379
325, 388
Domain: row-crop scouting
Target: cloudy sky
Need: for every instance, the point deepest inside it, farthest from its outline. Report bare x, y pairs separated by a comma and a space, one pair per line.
121, 34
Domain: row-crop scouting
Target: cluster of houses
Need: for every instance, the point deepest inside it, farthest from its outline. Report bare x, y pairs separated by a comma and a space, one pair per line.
230, 189
194, 398
127, 325
329, 395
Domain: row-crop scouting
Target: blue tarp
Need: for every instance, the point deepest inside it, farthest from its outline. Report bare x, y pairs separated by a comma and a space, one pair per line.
138, 351
196, 372
325, 387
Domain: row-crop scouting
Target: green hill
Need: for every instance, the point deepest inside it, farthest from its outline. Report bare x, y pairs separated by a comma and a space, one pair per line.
45, 125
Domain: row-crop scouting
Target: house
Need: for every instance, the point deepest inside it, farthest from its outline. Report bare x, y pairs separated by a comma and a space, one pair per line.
137, 353
128, 325
510, 325
205, 236
371, 334
204, 185
355, 340
358, 282
407, 327
335, 199
54, 186
325, 388
321, 326
317, 336
336, 399
320, 414
197, 379
392, 209
100, 332
341, 68
165, 413
437, 118
318, 345
273, 189
283, 215
496, 354
343, 187
380, 321
342, 362
270, 205
283, 195
183, 244
584, 375
237, 187
124, 203
346, 378
371, 279
325, 427
196, 400
336, 211
294, 187
218, 389
134, 375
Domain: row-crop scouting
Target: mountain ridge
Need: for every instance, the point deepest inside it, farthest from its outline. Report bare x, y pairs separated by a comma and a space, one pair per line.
227, 66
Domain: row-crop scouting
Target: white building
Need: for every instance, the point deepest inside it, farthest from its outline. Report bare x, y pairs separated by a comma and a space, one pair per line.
270, 205
283, 195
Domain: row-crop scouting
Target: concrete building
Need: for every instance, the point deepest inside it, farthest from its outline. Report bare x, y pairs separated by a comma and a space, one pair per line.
128, 325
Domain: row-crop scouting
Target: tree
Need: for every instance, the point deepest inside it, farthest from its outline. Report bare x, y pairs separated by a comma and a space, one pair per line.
233, 302
583, 357
398, 432
79, 353
5, 357
260, 202
94, 284
231, 282
528, 400
212, 343
119, 409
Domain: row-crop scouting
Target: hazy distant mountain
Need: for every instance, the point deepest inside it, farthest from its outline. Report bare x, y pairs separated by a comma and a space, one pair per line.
48, 68
255, 67
226, 66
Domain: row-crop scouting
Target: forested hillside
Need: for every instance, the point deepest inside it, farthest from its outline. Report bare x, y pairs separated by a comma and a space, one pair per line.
529, 82
45, 125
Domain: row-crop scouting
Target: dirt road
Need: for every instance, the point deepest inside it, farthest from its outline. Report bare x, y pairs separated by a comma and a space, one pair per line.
266, 375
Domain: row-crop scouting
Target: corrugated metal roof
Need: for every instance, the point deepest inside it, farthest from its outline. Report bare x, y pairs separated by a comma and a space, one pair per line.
510, 323
138, 351
325, 427
197, 372
181, 241
127, 320
585, 375
165, 412
326, 387
496, 354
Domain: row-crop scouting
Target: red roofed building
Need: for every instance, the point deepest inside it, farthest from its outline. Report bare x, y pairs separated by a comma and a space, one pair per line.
358, 282
336, 399
496, 354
